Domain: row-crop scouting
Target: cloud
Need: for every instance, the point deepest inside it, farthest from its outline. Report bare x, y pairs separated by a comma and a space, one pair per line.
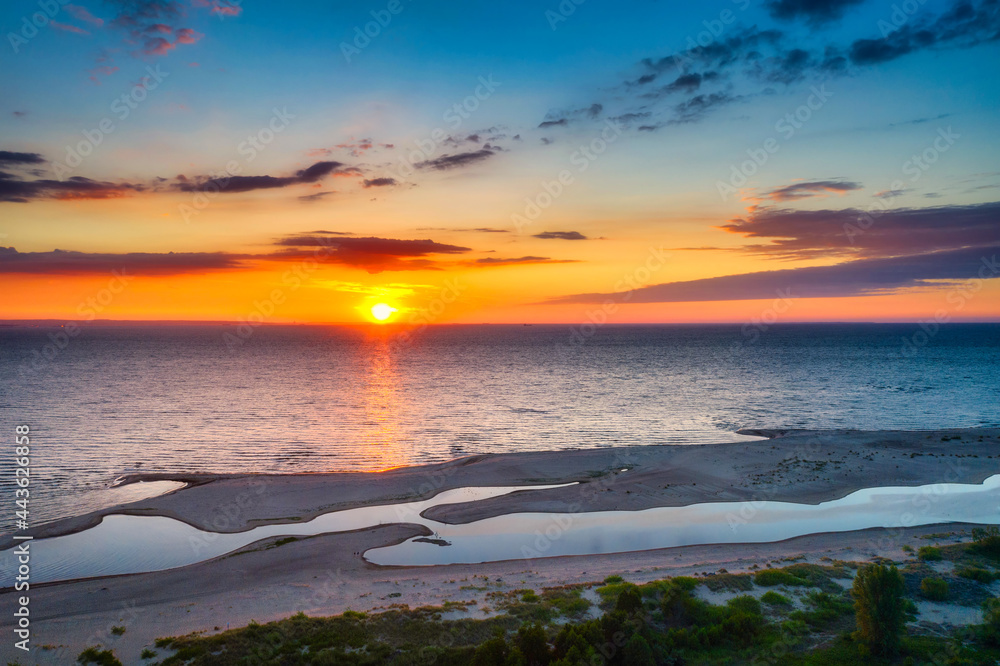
373, 245
314, 197
457, 160
698, 107
963, 26
82, 14
561, 235
9, 157
232, 184
65, 27
378, 182
815, 12
16, 190
370, 254
863, 277
850, 232
562, 122
494, 261
811, 188
62, 262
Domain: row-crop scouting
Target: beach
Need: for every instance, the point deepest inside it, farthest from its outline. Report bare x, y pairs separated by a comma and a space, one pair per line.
326, 574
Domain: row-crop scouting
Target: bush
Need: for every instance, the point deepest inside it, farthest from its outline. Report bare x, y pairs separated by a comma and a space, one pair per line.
929, 554
772, 598
935, 589
976, 574
879, 608
100, 657
990, 631
772, 577
987, 541
147, 654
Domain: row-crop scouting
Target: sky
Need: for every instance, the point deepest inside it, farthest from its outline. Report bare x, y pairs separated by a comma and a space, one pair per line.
566, 162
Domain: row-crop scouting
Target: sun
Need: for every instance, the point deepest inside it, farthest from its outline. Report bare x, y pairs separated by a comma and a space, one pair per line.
381, 311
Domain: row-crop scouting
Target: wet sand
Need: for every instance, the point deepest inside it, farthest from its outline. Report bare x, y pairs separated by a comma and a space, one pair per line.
326, 574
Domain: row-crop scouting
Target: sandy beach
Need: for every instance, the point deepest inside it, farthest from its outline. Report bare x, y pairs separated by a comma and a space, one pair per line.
326, 574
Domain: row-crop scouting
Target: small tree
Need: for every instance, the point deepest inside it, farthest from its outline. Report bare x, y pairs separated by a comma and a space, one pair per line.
637, 652
629, 600
880, 608
533, 643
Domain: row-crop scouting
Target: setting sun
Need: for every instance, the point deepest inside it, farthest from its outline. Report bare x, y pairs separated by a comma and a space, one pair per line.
381, 311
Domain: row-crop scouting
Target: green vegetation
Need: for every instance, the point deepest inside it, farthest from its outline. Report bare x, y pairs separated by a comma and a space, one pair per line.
977, 574
147, 654
660, 622
929, 554
880, 611
935, 589
117, 631
93, 655
772, 598
986, 541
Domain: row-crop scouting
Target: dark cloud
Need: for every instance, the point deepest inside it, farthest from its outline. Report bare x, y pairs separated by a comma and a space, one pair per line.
61, 262
863, 277
813, 11
373, 246
9, 157
371, 254
561, 235
699, 106
232, 184
379, 182
314, 197
810, 188
562, 122
963, 26
494, 261
318, 170
15, 190
457, 160
799, 234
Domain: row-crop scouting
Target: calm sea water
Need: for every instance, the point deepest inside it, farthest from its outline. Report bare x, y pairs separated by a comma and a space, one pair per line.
295, 399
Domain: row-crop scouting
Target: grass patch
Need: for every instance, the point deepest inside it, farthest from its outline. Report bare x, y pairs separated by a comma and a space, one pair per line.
929, 554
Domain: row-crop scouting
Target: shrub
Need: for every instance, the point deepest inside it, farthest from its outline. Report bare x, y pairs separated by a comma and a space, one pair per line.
610, 580
990, 630
772, 577
935, 589
118, 631
929, 554
879, 608
987, 541
93, 655
976, 574
772, 598
147, 654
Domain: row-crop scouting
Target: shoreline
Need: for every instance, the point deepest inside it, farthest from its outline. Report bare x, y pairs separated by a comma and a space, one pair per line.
802, 466
326, 574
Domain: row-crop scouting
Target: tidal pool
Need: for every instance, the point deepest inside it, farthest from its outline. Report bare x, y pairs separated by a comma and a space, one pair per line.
133, 544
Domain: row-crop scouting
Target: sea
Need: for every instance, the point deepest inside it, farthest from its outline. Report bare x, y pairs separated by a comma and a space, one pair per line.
109, 400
